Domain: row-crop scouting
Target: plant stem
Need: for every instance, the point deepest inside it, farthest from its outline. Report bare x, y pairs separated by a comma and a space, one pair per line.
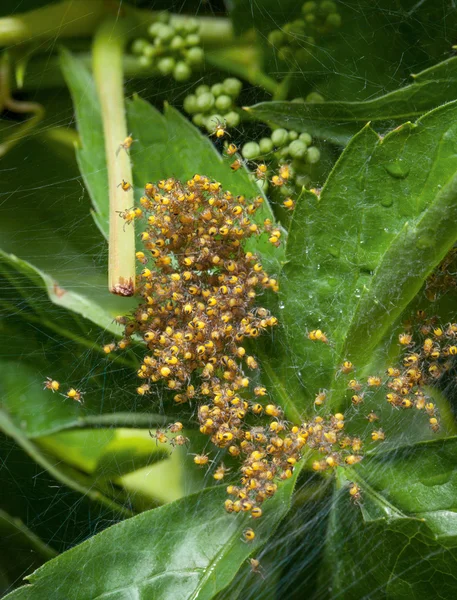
16, 106
64, 19
108, 47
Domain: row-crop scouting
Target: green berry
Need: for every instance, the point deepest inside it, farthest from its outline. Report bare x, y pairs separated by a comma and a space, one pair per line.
251, 150
193, 39
195, 56
177, 42
212, 122
144, 61
298, 100
285, 53
308, 7
283, 152
190, 104
314, 98
232, 86
166, 65
306, 138
205, 102
223, 102
333, 20
201, 89
297, 149
181, 72
191, 25
276, 38
154, 28
217, 89
266, 145
149, 51
139, 45
313, 155
279, 137
293, 135
328, 7
165, 32
232, 118
198, 119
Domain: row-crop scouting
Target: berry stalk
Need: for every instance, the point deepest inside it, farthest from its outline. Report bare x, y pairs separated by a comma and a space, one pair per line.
108, 47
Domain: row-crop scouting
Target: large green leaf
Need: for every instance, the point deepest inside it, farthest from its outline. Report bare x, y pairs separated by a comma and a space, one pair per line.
360, 251
338, 121
402, 540
189, 549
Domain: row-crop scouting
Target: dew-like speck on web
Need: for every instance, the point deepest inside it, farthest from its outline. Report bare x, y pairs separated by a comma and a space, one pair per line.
281, 305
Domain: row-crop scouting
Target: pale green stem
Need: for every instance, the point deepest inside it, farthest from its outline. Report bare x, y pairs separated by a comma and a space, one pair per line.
108, 47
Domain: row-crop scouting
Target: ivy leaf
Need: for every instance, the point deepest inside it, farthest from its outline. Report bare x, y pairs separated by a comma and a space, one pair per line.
338, 121
359, 253
195, 560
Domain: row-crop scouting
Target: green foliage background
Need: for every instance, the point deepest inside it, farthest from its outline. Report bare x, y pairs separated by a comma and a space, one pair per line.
84, 485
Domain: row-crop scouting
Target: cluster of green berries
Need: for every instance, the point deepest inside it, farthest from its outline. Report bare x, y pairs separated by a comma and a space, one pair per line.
297, 37
173, 48
210, 106
284, 147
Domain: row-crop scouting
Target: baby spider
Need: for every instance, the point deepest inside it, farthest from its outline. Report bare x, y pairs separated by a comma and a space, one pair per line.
236, 164
126, 144
159, 436
179, 440
125, 185
248, 535
201, 459
74, 394
175, 427
256, 567
220, 130
231, 150
51, 384
354, 492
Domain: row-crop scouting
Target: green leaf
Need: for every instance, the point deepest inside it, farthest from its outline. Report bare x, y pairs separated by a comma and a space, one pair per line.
401, 542
338, 121
91, 155
169, 145
190, 548
359, 253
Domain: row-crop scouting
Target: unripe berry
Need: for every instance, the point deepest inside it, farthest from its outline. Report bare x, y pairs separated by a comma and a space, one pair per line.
232, 119
309, 7
212, 122
333, 20
266, 145
195, 56
217, 89
190, 104
232, 86
279, 137
328, 6
276, 37
313, 155
201, 89
166, 65
139, 45
223, 102
205, 102
193, 39
297, 149
198, 119
177, 42
251, 150
293, 135
306, 138
181, 72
